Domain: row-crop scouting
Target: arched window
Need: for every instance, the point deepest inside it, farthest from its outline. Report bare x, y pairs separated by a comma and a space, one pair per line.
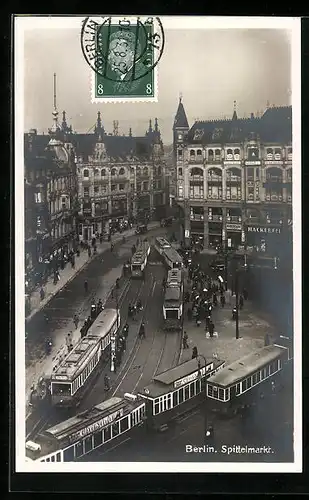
121, 171
229, 152
277, 154
274, 174
237, 153
159, 171
86, 172
138, 170
218, 152
103, 172
145, 171
114, 171
196, 171
192, 152
269, 153
210, 154
180, 171
96, 171
199, 152
132, 170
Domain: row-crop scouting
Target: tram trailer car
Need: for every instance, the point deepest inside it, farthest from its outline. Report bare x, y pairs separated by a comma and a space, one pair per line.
139, 260
100, 427
172, 258
161, 244
245, 380
72, 376
174, 278
177, 391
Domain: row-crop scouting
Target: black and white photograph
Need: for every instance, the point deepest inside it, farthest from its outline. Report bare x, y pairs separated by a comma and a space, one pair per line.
157, 244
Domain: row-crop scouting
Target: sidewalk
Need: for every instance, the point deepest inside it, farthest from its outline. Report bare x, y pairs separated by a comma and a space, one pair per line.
68, 273
252, 328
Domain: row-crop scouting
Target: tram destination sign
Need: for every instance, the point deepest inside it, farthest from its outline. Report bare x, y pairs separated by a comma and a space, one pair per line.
96, 425
260, 229
189, 378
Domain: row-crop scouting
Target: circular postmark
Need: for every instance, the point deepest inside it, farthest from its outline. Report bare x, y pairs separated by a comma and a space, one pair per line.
122, 49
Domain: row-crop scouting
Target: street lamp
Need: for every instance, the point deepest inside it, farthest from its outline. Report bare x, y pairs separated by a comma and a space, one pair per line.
237, 303
201, 374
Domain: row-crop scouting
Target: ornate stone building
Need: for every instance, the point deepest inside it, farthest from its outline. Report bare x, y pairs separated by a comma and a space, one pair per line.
118, 176
234, 179
50, 199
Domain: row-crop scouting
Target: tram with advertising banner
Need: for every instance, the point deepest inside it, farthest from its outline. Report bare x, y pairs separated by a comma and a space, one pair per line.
173, 306
161, 244
99, 428
174, 392
243, 382
71, 377
139, 260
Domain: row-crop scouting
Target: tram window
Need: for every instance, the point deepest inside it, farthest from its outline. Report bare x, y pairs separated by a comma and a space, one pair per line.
124, 424
68, 454
169, 402
79, 449
52, 458
180, 392
226, 394
258, 377
238, 388
97, 439
210, 391
249, 382
187, 393
221, 394
47, 460
107, 434
175, 398
244, 386
254, 378
192, 389
198, 387
88, 444
215, 392
264, 373
156, 408
203, 382
58, 457
115, 428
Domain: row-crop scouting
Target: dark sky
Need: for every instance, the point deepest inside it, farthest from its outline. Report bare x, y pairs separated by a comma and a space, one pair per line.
210, 67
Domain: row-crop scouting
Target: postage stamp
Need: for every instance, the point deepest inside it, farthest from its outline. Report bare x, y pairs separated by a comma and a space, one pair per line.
157, 244
123, 54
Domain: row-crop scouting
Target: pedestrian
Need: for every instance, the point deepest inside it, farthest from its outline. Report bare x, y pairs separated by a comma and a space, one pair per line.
245, 293
185, 341
126, 330
76, 320
86, 286
89, 251
215, 300
72, 262
94, 249
112, 247
211, 329
42, 293
194, 352
222, 300
106, 382
77, 252
198, 321
142, 331
241, 302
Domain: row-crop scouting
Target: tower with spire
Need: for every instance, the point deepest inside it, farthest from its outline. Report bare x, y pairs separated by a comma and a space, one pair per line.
234, 117
99, 128
181, 125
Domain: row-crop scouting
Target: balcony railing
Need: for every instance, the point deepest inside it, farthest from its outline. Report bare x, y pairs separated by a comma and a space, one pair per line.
273, 197
214, 197
196, 159
234, 218
233, 178
214, 159
199, 178
214, 178
199, 196
196, 217
274, 178
215, 218
235, 197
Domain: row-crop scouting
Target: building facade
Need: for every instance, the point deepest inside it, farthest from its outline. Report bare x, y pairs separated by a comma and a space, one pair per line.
234, 179
118, 177
50, 200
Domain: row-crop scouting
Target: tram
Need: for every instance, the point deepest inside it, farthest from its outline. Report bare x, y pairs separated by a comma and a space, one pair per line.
172, 258
139, 260
173, 301
102, 426
245, 380
161, 244
72, 376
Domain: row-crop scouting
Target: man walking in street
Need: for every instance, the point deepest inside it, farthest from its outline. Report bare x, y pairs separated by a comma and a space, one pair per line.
86, 286
76, 320
222, 300
185, 341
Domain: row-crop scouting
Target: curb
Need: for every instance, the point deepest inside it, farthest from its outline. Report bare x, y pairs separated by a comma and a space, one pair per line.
31, 316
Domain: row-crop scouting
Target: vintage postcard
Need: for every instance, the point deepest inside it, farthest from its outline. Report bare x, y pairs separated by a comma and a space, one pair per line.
158, 229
